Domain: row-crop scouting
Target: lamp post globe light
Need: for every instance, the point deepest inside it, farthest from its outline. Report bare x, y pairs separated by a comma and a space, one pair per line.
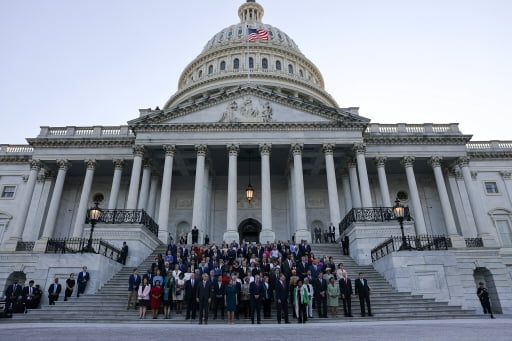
94, 216
399, 212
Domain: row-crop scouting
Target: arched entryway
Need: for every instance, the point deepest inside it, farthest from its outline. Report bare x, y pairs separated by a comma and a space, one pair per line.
484, 275
249, 230
182, 230
16, 275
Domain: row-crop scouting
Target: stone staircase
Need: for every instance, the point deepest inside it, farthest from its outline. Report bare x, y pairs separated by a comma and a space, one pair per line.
108, 305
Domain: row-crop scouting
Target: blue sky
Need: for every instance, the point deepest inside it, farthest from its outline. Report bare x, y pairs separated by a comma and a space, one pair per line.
97, 62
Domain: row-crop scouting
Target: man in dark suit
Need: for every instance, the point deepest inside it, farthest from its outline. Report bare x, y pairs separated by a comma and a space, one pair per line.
256, 293
266, 297
320, 289
83, 279
133, 289
287, 266
345, 244
332, 233
124, 254
29, 293
190, 296
195, 235
346, 292
54, 291
204, 298
12, 293
282, 294
218, 297
302, 267
363, 290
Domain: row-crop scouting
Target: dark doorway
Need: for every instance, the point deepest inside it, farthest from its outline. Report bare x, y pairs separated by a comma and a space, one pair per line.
484, 275
249, 230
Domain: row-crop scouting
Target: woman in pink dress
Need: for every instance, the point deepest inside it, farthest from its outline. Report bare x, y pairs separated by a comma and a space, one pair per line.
156, 298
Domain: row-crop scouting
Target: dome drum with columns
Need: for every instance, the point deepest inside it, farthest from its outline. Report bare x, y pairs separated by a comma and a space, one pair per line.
257, 113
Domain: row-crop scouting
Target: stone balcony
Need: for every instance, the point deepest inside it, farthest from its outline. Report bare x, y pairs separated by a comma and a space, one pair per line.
413, 129
81, 132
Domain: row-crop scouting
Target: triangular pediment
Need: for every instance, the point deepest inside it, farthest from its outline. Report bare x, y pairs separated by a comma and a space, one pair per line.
247, 105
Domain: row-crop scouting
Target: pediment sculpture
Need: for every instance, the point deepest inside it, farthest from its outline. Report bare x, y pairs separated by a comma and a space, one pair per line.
245, 110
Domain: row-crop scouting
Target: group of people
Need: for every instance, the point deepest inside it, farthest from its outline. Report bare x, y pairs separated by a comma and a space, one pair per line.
328, 235
29, 297
244, 280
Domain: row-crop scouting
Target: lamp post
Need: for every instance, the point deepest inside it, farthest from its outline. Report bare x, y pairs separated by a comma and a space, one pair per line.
399, 212
94, 215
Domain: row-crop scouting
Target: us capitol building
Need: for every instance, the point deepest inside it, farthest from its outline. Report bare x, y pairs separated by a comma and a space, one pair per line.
255, 115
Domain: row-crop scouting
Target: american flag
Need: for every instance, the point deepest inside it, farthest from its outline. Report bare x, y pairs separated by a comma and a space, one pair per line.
256, 34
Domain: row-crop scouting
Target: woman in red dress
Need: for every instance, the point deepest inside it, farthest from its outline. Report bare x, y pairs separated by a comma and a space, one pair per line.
156, 298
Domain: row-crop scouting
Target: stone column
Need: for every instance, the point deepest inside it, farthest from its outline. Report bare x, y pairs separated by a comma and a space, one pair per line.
144, 188
116, 183
366, 196
267, 234
293, 206
507, 179
22, 211
332, 187
478, 214
419, 220
449, 220
53, 210
380, 162
197, 213
469, 228
347, 196
354, 184
84, 199
165, 194
153, 190
231, 219
300, 208
133, 192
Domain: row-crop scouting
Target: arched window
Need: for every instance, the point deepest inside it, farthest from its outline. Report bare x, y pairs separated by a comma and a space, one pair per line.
264, 63
222, 66
210, 69
236, 63
200, 74
278, 65
251, 62
290, 68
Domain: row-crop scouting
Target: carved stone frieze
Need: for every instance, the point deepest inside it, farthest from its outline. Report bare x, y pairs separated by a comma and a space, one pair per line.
247, 110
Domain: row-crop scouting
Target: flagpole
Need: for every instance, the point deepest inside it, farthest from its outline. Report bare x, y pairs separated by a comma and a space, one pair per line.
247, 55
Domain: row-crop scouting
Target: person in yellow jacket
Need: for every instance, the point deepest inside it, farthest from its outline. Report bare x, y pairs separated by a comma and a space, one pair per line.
301, 299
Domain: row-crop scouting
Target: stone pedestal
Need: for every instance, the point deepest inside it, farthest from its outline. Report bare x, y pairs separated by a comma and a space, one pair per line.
488, 240
302, 235
458, 242
10, 244
229, 236
267, 237
40, 245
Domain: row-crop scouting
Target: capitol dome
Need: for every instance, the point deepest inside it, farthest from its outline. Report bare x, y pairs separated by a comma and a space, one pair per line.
229, 59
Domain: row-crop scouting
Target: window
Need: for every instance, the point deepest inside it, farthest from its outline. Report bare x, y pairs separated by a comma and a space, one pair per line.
278, 65
264, 63
222, 66
290, 68
251, 62
503, 227
236, 63
4, 221
8, 192
210, 69
491, 187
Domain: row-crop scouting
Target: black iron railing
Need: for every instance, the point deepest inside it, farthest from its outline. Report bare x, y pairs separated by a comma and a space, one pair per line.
127, 217
411, 243
474, 242
79, 245
370, 214
25, 246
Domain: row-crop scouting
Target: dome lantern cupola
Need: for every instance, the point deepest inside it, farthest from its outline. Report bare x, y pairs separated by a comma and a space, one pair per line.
251, 11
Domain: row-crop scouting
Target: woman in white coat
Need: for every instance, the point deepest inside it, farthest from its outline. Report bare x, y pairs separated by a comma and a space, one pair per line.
143, 294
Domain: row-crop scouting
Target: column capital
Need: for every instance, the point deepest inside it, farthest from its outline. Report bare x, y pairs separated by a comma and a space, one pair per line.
147, 163
91, 164
463, 161
35, 165
506, 174
380, 161
201, 149
118, 164
408, 161
233, 149
351, 162
296, 148
435, 161
169, 149
474, 174
265, 148
63, 164
328, 148
457, 172
359, 148
138, 150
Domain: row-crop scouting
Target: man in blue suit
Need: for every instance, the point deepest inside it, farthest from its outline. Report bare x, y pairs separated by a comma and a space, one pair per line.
12, 293
133, 289
83, 279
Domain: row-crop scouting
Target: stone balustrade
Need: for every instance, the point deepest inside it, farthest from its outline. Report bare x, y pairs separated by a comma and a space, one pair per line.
80, 132
412, 129
9, 149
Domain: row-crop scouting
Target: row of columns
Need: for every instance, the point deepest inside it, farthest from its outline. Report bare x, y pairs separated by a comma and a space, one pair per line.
357, 180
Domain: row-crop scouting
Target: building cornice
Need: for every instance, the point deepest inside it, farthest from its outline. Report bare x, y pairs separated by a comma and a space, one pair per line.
417, 139
81, 142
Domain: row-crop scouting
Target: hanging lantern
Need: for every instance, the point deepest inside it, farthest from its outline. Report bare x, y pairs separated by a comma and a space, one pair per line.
249, 193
